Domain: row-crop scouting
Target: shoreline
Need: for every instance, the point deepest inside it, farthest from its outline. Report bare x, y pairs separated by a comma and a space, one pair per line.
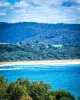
42, 62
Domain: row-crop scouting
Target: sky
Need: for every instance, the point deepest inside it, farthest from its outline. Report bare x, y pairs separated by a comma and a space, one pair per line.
42, 11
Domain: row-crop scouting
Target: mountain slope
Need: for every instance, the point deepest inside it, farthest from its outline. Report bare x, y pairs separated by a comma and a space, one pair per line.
43, 33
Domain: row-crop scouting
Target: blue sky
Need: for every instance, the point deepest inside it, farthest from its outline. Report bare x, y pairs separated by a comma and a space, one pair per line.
42, 11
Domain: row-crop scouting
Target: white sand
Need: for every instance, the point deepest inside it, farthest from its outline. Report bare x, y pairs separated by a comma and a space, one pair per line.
44, 62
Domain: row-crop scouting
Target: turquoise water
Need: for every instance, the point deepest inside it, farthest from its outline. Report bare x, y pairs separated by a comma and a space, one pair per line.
65, 77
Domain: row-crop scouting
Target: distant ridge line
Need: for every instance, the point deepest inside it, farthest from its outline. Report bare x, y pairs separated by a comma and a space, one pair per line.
40, 23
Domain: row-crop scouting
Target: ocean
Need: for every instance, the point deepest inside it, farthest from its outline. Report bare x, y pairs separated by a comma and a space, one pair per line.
66, 77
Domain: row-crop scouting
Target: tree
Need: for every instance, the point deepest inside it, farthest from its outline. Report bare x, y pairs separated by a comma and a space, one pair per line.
39, 91
63, 95
3, 80
78, 98
3, 88
51, 95
19, 81
16, 91
24, 82
22, 89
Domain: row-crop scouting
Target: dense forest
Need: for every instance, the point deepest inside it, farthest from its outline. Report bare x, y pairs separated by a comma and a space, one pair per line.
29, 32
23, 89
38, 41
21, 52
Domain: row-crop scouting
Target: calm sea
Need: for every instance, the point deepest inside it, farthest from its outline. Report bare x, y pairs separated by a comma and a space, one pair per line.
65, 77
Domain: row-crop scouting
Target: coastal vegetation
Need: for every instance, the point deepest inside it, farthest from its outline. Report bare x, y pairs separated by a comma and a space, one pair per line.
22, 52
23, 89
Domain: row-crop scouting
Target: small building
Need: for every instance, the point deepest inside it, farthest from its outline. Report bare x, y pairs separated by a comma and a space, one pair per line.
58, 46
4, 43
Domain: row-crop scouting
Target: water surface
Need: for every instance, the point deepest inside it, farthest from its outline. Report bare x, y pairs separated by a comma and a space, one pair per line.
65, 77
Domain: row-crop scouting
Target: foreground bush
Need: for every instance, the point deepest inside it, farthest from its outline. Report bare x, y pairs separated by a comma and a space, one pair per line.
22, 89
25, 98
63, 95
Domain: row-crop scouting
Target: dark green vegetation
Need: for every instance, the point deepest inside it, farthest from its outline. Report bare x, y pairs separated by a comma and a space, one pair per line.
35, 41
9, 52
23, 89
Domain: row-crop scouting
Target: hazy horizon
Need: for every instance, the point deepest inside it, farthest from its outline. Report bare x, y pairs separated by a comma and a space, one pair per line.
35, 22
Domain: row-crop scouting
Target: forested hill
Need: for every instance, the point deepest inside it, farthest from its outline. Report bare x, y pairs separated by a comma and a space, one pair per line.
35, 41
30, 32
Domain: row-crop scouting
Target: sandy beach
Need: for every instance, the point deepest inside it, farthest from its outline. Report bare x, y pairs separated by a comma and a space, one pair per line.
44, 62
